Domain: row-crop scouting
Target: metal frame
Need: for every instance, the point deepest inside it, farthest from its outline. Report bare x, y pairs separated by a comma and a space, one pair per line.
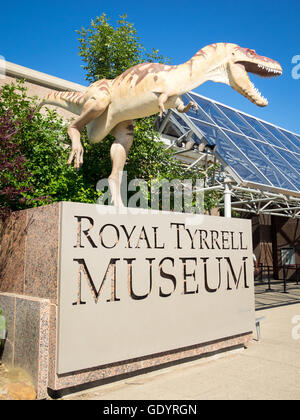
260, 202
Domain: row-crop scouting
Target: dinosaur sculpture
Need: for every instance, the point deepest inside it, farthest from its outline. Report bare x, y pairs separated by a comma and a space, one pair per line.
111, 106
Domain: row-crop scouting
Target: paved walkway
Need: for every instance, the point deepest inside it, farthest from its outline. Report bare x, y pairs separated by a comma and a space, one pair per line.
268, 369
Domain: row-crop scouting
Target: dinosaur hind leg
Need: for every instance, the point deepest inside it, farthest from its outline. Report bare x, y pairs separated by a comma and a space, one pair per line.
123, 134
92, 109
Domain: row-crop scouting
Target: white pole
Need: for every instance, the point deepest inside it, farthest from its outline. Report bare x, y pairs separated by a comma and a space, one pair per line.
227, 201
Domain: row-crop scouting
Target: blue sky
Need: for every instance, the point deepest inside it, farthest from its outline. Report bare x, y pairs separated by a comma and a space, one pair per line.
41, 35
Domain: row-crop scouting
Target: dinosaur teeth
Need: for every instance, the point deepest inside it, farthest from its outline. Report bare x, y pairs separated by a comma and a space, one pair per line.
269, 69
257, 92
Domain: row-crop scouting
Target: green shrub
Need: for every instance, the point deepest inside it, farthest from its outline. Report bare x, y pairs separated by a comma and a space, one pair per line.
34, 150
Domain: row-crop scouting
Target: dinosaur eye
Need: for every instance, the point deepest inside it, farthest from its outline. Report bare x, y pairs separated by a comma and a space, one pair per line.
251, 53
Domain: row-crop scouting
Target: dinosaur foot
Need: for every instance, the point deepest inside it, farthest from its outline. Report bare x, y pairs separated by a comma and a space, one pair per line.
76, 155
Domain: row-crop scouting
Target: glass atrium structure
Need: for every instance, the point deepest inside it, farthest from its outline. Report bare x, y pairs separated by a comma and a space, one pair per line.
261, 162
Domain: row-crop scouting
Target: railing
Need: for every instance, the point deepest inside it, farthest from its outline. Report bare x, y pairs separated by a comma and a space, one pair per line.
285, 272
267, 272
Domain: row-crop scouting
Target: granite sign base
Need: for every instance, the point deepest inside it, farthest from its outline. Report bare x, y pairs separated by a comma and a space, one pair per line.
89, 294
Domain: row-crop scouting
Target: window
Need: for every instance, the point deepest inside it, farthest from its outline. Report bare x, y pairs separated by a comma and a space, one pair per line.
288, 256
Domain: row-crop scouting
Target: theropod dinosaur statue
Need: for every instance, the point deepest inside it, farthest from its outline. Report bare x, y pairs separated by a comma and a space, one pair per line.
111, 106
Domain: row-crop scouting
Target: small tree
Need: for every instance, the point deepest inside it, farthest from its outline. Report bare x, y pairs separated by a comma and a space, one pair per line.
109, 51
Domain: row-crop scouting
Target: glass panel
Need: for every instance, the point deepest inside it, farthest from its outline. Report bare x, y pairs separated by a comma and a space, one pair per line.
284, 141
292, 159
259, 160
266, 135
239, 122
217, 116
230, 154
293, 138
200, 114
287, 256
279, 162
297, 138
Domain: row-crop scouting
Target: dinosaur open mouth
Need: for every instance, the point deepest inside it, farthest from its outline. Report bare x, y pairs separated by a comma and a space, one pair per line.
262, 70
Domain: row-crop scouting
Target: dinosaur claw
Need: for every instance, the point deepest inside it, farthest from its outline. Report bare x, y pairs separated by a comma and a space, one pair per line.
195, 107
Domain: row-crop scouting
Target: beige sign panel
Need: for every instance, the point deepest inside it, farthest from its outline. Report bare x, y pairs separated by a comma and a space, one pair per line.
136, 284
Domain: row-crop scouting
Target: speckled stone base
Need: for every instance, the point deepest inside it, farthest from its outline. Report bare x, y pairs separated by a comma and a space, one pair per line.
27, 342
29, 264
141, 364
29, 247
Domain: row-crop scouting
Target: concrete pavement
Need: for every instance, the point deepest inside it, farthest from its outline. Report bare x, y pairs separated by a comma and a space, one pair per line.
270, 299
268, 369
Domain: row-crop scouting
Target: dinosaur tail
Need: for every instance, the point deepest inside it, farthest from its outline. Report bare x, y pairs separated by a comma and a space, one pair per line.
71, 101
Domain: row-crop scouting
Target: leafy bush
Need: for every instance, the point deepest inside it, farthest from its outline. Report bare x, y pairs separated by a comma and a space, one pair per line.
13, 172
34, 151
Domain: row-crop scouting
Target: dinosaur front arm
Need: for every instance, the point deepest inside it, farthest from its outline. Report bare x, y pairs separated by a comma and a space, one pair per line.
162, 99
179, 105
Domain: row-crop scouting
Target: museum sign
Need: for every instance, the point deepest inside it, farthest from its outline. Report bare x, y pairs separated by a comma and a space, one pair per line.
135, 284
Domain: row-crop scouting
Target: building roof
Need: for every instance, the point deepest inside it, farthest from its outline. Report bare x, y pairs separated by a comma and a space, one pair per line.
39, 78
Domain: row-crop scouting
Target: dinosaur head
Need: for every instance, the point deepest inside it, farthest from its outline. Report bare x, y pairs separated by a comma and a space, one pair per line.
242, 61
